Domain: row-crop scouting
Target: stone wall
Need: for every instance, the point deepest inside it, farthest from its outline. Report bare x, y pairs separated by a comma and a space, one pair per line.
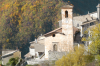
60, 41
17, 54
6, 59
54, 55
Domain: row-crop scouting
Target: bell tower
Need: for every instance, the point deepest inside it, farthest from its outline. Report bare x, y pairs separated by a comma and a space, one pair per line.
67, 24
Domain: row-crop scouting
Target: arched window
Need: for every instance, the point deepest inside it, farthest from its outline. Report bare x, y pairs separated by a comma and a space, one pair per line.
54, 47
66, 14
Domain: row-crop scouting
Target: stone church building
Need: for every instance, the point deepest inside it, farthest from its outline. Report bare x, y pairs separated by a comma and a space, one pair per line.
58, 42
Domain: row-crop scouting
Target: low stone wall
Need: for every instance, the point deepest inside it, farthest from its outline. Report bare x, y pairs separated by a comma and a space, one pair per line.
47, 63
54, 55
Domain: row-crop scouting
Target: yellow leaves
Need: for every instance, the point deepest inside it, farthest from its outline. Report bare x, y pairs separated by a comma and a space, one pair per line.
16, 4
3, 46
50, 2
40, 27
24, 7
34, 6
76, 58
68, 1
7, 6
7, 40
83, 39
11, 15
19, 21
72, 4
31, 7
19, 29
95, 39
36, 2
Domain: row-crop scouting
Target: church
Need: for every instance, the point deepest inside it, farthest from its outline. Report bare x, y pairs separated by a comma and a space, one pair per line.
56, 43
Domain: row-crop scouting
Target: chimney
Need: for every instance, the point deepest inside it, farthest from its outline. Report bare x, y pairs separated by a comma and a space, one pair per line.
98, 11
36, 40
87, 19
92, 18
88, 12
41, 34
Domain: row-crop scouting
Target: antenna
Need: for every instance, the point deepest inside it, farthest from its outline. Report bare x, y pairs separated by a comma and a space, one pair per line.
41, 34
36, 40
88, 12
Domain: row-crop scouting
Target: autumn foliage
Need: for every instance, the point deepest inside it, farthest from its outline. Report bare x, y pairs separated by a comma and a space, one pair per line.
23, 20
75, 58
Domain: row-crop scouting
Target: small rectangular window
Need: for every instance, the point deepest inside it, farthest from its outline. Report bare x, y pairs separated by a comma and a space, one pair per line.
77, 25
92, 23
82, 25
66, 14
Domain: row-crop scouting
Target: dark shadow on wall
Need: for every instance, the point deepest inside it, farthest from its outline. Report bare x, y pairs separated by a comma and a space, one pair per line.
77, 38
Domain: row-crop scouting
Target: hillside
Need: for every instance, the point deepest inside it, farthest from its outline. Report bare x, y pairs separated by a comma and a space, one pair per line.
21, 21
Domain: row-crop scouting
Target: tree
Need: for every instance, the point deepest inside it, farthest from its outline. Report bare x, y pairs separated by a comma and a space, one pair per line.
75, 58
94, 37
13, 61
94, 46
20, 19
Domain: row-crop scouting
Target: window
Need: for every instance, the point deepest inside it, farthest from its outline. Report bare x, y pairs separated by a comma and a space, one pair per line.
32, 57
53, 35
82, 25
66, 14
87, 19
92, 23
77, 25
54, 47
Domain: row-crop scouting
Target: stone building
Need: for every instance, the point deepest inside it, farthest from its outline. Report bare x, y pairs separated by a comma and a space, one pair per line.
60, 41
7, 54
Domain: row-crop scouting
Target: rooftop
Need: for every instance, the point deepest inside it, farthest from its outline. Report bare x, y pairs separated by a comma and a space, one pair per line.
67, 6
98, 5
83, 18
6, 53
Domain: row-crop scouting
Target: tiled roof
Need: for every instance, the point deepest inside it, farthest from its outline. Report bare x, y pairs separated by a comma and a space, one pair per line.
83, 18
67, 6
10, 52
89, 22
98, 5
56, 30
